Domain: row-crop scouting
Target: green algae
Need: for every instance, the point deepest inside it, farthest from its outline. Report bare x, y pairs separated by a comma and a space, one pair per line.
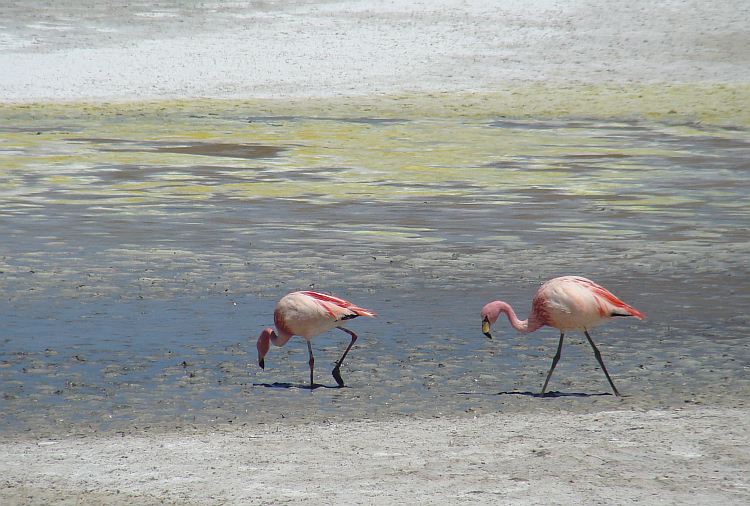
381, 147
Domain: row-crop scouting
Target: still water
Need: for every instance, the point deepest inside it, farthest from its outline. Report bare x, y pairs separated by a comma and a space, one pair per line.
144, 247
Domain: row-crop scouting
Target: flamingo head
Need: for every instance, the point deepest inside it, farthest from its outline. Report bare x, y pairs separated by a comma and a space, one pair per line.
264, 342
489, 315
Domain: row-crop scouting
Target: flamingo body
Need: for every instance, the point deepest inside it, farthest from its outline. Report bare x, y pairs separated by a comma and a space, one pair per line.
565, 303
576, 303
308, 314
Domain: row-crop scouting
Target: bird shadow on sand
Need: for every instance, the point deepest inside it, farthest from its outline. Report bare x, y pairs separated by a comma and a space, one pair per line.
546, 394
554, 394
292, 385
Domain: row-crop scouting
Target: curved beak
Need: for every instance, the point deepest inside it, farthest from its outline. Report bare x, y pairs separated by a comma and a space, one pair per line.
486, 327
262, 363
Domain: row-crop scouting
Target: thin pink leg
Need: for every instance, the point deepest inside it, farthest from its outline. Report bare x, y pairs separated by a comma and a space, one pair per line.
337, 370
601, 363
312, 363
554, 363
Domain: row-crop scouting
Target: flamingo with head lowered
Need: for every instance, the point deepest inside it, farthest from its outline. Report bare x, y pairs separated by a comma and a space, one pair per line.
308, 314
565, 303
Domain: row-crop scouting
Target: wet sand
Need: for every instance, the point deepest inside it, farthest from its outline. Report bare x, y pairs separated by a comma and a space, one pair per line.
151, 221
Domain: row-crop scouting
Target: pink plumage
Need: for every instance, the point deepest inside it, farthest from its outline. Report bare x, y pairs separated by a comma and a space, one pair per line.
308, 314
565, 303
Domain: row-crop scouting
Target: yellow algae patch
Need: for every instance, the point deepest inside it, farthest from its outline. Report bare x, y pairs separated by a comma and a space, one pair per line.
573, 139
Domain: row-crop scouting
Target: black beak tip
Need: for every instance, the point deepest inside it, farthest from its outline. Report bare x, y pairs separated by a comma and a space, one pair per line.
487, 334
262, 364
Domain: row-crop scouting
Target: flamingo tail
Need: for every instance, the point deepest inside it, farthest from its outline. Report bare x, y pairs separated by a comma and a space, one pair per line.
628, 311
619, 307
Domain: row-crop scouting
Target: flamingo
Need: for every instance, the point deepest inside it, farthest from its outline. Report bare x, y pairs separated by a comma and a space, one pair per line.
308, 314
565, 303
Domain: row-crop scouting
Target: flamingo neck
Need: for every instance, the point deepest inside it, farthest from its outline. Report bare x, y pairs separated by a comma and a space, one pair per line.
524, 326
267, 337
274, 338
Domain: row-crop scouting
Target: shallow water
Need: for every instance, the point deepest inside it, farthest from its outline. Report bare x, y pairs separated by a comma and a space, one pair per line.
145, 246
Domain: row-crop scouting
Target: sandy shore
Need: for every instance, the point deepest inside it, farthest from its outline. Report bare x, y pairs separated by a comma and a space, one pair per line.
694, 456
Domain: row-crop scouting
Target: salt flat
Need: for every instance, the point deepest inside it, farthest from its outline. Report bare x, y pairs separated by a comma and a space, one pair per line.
695, 456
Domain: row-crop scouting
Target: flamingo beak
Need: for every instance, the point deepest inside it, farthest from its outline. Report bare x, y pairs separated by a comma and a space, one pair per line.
486, 327
262, 363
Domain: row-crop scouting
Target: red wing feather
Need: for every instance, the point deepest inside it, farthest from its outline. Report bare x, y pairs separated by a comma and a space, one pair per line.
604, 294
323, 297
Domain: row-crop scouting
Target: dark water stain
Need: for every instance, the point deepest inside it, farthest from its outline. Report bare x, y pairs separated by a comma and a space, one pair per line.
40, 129
228, 150
249, 151
362, 120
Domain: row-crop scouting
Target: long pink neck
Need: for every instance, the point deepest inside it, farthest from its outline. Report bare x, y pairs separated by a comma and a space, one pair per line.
267, 337
279, 339
529, 325
274, 338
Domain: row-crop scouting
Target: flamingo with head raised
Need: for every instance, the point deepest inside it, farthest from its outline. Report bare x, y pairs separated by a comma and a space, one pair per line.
565, 303
308, 314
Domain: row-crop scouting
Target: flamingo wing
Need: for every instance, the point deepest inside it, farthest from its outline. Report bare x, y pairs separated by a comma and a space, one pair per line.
575, 303
617, 307
338, 308
608, 304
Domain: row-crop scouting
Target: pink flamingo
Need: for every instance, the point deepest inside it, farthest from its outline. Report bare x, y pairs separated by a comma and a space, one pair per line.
308, 314
565, 303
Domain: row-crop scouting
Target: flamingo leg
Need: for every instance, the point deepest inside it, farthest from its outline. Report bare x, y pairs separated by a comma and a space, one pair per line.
601, 363
554, 363
312, 363
337, 370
